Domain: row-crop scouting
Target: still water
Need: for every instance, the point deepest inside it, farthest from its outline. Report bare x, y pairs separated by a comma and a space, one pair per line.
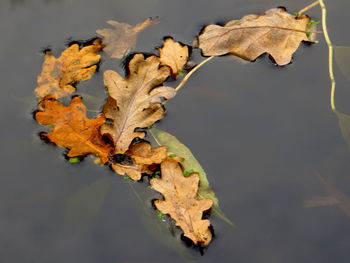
260, 132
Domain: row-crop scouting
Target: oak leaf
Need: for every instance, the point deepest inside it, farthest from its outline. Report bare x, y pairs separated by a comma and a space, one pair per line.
135, 101
121, 39
174, 55
142, 155
59, 74
189, 163
277, 33
181, 203
72, 129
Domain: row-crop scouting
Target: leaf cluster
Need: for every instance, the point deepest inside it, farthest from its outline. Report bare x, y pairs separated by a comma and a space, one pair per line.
135, 102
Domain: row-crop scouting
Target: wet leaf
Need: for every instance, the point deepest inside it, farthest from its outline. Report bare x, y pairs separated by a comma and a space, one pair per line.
84, 206
135, 101
276, 32
72, 129
142, 155
60, 74
181, 203
190, 165
342, 57
174, 55
121, 39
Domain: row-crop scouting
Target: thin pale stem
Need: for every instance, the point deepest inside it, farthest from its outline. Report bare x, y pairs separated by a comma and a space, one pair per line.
154, 137
302, 11
191, 72
330, 53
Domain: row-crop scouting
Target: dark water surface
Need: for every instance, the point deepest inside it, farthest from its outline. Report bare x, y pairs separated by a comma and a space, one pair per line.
259, 131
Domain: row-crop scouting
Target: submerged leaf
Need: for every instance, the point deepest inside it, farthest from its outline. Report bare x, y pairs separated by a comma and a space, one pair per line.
181, 203
142, 155
190, 165
342, 57
83, 206
316, 201
276, 32
135, 101
344, 124
59, 74
122, 38
72, 129
334, 192
174, 55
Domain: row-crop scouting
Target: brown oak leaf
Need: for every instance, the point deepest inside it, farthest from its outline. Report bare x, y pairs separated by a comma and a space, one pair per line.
276, 32
135, 101
142, 155
59, 74
174, 55
121, 39
72, 129
181, 203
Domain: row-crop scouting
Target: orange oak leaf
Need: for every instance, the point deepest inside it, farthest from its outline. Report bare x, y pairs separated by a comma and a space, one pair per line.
59, 74
72, 129
121, 39
135, 101
142, 155
276, 32
174, 55
181, 203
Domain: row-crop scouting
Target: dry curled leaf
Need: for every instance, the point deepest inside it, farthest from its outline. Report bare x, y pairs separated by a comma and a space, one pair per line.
174, 55
121, 39
181, 203
277, 33
72, 129
59, 74
142, 155
135, 101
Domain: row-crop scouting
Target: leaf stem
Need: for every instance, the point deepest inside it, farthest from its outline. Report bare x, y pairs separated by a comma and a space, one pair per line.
308, 7
330, 54
191, 72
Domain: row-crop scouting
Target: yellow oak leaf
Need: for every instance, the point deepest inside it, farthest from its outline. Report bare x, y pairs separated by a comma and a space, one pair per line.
135, 101
59, 74
276, 32
181, 202
174, 55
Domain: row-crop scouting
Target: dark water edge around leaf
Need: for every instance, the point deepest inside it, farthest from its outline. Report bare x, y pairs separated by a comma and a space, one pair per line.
259, 132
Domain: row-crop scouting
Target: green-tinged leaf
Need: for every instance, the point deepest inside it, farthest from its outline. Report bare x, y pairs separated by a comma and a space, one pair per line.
190, 163
344, 124
342, 58
83, 206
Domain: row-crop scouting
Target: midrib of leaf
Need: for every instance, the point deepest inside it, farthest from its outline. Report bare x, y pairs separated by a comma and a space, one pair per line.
86, 141
257, 27
126, 116
253, 27
190, 226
